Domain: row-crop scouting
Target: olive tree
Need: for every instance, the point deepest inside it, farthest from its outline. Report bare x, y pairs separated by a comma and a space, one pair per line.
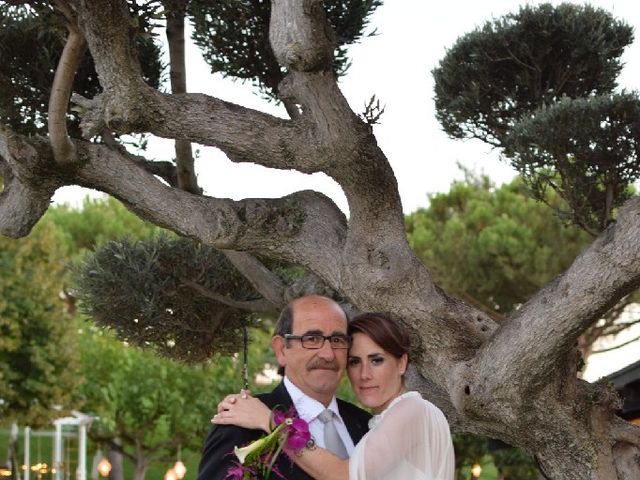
539, 85
514, 380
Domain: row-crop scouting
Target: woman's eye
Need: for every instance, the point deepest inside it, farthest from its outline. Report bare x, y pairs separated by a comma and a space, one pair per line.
353, 361
377, 361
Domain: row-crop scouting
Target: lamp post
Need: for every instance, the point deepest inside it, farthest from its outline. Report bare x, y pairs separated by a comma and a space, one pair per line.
104, 467
27, 451
179, 469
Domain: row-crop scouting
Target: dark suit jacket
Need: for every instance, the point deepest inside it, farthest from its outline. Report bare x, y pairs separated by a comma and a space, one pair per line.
217, 454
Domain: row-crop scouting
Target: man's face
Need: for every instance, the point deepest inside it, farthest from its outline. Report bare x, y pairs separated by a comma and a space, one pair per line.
315, 372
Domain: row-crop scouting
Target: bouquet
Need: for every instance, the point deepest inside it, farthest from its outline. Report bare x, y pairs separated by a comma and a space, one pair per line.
290, 435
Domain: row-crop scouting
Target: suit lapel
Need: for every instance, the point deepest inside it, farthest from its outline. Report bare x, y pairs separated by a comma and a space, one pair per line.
280, 397
355, 429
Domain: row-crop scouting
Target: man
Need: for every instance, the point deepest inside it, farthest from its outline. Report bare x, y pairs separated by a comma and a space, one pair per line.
310, 343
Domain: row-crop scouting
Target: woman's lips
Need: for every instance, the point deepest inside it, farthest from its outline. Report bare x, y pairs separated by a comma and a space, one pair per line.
367, 389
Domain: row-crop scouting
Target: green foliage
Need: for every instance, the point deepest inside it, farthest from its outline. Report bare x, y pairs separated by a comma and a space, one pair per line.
514, 464
96, 222
538, 84
509, 463
469, 449
37, 339
497, 74
494, 247
26, 73
156, 293
234, 37
591, 145
145, 399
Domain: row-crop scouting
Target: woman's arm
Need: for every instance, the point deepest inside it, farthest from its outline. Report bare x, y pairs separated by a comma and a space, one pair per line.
249, 412
322, 464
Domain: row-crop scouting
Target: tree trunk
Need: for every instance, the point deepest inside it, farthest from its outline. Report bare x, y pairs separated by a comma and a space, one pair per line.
13, 452
141, 470
187, 179
116, 460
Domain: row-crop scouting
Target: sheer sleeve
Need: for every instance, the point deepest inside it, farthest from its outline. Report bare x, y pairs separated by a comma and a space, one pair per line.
411, 441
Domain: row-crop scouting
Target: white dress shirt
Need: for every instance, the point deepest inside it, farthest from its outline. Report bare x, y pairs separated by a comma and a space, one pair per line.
308, 409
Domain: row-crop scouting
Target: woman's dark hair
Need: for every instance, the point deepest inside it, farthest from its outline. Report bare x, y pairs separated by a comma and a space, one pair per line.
383, 330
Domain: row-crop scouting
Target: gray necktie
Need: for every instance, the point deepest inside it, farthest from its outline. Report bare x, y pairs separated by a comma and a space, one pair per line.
332, 440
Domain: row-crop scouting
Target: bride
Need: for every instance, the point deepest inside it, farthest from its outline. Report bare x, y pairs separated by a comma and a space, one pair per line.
409, 437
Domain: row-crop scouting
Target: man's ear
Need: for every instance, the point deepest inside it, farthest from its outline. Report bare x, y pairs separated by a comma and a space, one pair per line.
278, 346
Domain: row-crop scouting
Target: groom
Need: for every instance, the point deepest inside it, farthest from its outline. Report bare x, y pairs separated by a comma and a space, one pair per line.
310, 343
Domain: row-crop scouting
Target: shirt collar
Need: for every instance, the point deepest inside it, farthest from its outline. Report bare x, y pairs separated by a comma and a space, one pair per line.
308, 408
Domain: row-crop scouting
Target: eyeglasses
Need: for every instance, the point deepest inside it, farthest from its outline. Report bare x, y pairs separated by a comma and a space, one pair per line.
315, 341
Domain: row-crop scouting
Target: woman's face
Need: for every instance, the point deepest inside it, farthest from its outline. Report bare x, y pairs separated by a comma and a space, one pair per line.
375, 374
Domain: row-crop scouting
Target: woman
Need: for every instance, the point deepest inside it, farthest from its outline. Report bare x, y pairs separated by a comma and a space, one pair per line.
409, 437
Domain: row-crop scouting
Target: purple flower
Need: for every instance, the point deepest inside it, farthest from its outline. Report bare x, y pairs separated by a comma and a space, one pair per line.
298, 435
278, 417
236, 472
290, 435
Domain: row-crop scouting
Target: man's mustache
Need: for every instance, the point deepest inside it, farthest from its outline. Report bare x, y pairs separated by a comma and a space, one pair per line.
318, 363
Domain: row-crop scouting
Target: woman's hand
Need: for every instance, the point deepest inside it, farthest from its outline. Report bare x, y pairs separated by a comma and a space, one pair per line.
231, 399
244, 411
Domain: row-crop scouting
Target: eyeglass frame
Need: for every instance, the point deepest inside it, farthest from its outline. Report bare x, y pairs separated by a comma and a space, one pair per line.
288, 336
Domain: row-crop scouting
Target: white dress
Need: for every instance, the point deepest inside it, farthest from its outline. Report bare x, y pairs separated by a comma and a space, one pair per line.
409, 440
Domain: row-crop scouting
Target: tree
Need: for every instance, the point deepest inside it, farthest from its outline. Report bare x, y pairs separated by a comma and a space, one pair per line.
148, 407
538, 84
38, 364
94, 226
183, 298
515, 381
234, 37
26, 75
96, 222
496, 247
492, 246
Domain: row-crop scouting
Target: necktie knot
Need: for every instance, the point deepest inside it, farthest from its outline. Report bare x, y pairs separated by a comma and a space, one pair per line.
326, 416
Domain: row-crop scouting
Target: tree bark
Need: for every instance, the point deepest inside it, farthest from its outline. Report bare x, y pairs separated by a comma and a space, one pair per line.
140, 471
515, 381
117, 467
176, 10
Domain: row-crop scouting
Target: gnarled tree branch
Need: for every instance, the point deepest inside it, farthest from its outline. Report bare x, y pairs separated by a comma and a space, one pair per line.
259, 276
176, 9
25, 197
63, 148
259, 305
537, 336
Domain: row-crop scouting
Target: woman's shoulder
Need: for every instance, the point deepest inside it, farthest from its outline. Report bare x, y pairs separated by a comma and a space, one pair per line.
411, 404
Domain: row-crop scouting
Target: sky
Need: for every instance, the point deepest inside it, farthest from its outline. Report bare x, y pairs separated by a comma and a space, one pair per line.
395, 65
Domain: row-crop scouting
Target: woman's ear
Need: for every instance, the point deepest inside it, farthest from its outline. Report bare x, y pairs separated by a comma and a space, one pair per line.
404, 360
